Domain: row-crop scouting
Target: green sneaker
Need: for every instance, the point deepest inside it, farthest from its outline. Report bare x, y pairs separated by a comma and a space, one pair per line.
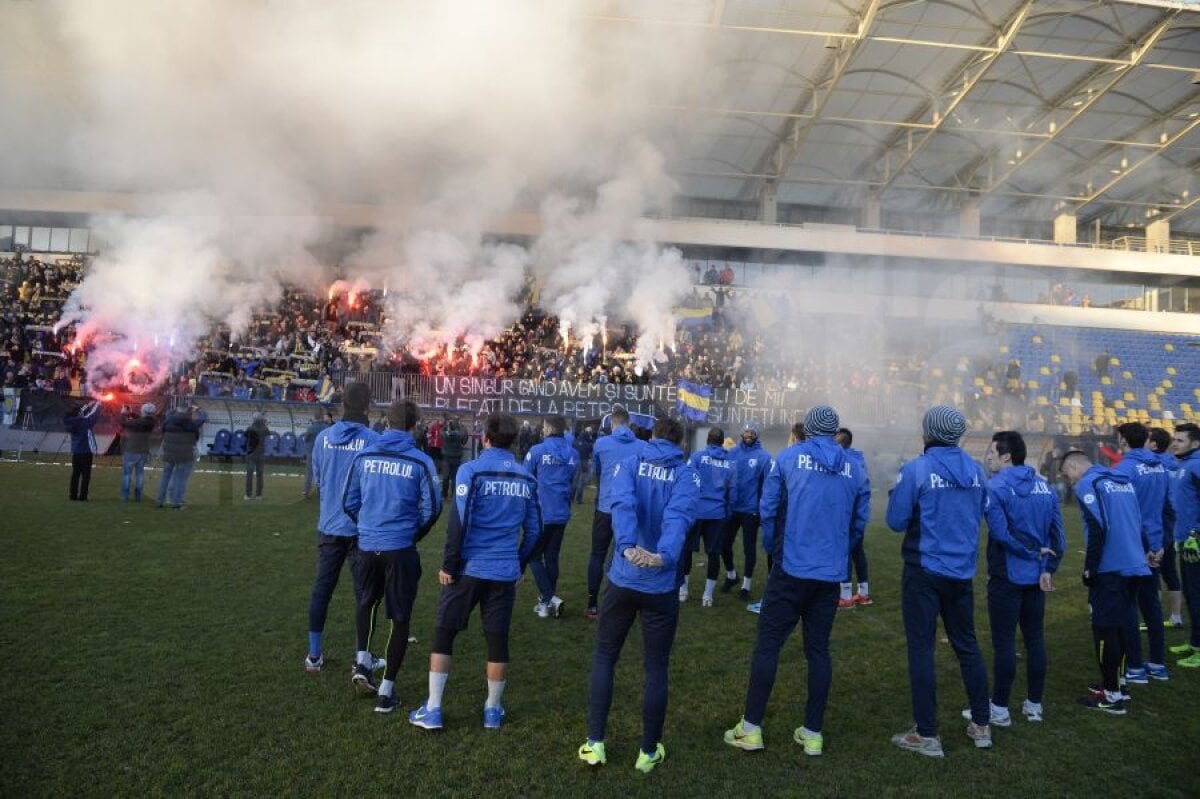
738, 737
812, 742
646, 763
1192, 662
1182, 649
592, 753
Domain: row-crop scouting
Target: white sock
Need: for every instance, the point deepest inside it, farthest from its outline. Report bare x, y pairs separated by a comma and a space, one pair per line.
747, 727
709, 587
730, 574
495, 691
363, 658
437, 684
862, 590
385, 687
1113, 697
745, 583
1176, 618
846, 590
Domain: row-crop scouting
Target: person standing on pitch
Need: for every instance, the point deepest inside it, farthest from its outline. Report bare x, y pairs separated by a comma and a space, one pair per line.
135, 449
319, 423
1151, 483
823, 498
337, 535
495, 501
751, 463
858, 555
937, 503
607, 452
654, 498
1168, 570
454, 442
181, 431
553, 464
79, 423
1112, 529
392, 495
1026, 543
713, 508
256, 456
1185, 499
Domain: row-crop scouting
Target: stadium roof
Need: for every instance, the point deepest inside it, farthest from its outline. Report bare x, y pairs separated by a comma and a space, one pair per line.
1033, 108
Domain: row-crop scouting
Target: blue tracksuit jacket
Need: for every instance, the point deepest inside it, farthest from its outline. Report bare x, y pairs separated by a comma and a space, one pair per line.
752, 463
821, 495
553, 464
1112, 523
495, 500
654, 505
717, 475
334, 449
1151, 483
1023, 516
938, 502
1185, 495
607, 452
392, 493
83, 441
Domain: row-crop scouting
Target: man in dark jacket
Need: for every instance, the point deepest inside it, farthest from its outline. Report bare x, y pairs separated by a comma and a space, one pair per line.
181, 430
454, 441
256, 456
584, 442
79, 424
135, 449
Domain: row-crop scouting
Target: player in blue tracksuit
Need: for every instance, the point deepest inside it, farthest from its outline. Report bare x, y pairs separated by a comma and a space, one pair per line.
713, 508
751, 465
1116, 550
858, 555
494, 528
1168, 568
938, 503
393, 494
654, 496
1151, 483
1026, 543
823, 498
337, 536
1185, 500
553, 464
606, 453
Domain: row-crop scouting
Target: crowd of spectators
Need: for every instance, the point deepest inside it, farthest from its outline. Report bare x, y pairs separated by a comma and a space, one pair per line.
32, 293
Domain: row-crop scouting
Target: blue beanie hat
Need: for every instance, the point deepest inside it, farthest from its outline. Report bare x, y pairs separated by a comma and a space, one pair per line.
821, 420
944, 424
752, 427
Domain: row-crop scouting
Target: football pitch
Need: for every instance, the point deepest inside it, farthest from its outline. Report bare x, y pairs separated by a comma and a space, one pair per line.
154, 652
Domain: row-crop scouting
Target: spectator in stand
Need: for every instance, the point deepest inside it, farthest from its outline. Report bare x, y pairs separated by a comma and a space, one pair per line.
181, 430
135, 448
79, 423
256, 456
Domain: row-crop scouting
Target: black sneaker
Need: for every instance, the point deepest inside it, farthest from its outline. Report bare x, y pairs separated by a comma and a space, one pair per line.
1116, 708
744, 595
728, 585
364, 681
386, 704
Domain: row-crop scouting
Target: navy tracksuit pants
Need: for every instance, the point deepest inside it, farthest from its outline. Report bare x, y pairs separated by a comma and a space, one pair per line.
1011, 606
332, 552
1146, 601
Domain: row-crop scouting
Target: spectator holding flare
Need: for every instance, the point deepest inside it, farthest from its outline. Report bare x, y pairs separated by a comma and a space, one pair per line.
392, 495
654, 496
256, 456
334, 450
1112, 524
1026, 543
822, 498
135, 449
1185, 499
937, 503
553, 464
495, 501
751, 463
80, 423
1168, 570
1151, 483
713, 508
608, 451
858, 555
181, 431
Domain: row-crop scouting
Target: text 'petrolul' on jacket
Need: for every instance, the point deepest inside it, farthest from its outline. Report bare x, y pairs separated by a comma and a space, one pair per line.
392, 493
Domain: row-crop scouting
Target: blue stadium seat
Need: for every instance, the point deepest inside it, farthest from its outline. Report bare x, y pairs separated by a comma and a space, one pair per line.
238, 445
220, 444
287, 445
272, 448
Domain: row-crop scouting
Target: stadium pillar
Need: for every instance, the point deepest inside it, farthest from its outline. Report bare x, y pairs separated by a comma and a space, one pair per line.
1158, 236
1066, 229
871, 213
968, 219
768, 205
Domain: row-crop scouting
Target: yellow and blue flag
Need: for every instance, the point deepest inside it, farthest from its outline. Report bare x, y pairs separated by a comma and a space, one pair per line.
693, 400
694, 317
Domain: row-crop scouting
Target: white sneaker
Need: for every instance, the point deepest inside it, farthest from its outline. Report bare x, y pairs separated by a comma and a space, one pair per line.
542, 610
1032, 711
556, 606
999, 715
683, 593
706, 601
378, 664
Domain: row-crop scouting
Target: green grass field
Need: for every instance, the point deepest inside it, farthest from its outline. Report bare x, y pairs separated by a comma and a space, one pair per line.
154, 652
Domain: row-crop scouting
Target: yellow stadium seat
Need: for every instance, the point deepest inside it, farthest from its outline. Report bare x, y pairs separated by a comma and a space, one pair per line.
979, 381
987, 391
1115, 361
1045, 370
1031, 384
1004, 349
1171, 370
1037, 339
1168, 384
1169, 347
1106, 381
1119, 404
1128, 397
1055, 359
1043, 400
1128, 375
1064, 402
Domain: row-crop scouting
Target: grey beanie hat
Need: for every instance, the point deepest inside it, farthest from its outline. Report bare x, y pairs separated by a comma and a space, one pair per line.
821, 420
944, 424
148, 409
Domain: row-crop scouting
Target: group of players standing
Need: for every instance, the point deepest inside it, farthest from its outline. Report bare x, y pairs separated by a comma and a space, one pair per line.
380, 495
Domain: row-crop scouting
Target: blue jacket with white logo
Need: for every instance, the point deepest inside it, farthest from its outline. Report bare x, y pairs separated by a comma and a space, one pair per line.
1112, 523
392, 493
1023, 516
495, 500
553, 463
1152, 483
83, 441
717, 474
938, 502
751, 464
654, 505
1185, 495
333, 451
821, 494
607, 452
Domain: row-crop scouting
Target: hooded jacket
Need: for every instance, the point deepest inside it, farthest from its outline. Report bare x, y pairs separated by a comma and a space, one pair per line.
180, 432
1185, 496
938, 502
136, 434
717, 477
392, 493
1151, 483
607, 453
256, 440
79, 425
553, 463
1112, 523
333, 451
495, 500
822, 496
654, 506
1023, 516
751, 464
